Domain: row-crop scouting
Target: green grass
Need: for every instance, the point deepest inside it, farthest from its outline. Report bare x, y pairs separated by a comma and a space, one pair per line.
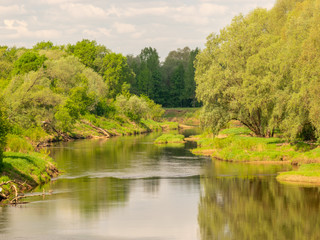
35, 168
236, 131
306, 174
29, 170
17, 143
169, 138
308, 170
236, 145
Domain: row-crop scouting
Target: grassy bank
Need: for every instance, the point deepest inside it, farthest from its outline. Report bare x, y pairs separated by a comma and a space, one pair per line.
169, 138
24, 171
237, 144
88, 127
306, 174
24, 168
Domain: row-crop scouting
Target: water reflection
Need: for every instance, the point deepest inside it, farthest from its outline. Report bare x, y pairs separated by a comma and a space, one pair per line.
123, 188
243, 202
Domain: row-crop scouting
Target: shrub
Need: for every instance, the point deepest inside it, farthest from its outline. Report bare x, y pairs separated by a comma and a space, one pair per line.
4, 127
133, 107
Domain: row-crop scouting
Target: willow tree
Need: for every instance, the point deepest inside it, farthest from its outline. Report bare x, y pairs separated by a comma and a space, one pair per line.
225, 84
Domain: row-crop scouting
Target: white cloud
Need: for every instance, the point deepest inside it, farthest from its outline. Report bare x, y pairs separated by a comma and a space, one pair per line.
124, 27
19, 29
12, 9
79, 10
56, 2
209, 9
100, 32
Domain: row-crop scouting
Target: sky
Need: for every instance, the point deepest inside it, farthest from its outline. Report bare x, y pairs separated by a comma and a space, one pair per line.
123, 26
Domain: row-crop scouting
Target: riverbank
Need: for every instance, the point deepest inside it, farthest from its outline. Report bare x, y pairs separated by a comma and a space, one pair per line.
237, 144
22, 172
86, 128
24, 168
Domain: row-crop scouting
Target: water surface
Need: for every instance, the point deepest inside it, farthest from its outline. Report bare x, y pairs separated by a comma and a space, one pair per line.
128, 188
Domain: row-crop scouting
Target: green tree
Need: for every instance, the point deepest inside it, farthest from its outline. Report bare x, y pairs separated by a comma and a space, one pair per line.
85, 50
223, 82
43, 45
29, 61
177, 87
149, 77
115, 72
89, 53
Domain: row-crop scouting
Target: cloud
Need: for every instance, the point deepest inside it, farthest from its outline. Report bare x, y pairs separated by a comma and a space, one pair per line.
12, 9
198, 15
100, 32
79, 10
124, 27
56, 2
17, 29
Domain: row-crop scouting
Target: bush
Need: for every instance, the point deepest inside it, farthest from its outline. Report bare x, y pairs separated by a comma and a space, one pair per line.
4, 127
133, 107
136, 107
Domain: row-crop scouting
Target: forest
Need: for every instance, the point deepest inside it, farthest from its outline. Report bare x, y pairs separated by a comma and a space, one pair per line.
263, 70
48, 89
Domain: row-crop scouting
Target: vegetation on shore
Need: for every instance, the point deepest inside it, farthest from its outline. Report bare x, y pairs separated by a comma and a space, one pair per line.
263, 71
238, 144
22, 172
306, 174
57, 93
169, 138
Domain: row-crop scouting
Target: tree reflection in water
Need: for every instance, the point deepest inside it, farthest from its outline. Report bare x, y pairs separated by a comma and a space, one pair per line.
249, 205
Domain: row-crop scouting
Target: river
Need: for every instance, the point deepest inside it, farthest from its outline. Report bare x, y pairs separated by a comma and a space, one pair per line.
130, 189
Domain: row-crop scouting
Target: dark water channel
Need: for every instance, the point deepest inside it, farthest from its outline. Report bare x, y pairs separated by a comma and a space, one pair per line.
127, 188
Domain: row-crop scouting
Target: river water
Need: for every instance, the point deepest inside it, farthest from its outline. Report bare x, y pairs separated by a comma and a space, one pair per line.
130, 189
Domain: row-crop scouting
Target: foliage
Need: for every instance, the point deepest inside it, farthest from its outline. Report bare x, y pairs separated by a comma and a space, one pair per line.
155, 111
115, 72
134, 107
236, 144
29, 61
17, 143
263, 70
170, 83
4, 127
43, 45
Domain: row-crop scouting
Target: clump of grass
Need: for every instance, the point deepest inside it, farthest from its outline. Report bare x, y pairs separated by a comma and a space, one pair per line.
16, 143
169, 138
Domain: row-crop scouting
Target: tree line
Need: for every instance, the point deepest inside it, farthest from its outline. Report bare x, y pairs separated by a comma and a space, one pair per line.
49, 88
264, 70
